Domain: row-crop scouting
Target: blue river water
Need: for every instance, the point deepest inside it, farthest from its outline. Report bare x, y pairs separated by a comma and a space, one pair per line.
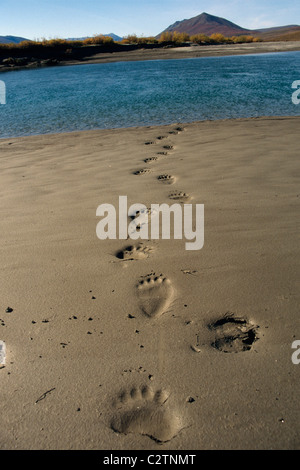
129, 94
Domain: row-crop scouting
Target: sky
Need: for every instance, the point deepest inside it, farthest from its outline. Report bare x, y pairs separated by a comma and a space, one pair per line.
35, 19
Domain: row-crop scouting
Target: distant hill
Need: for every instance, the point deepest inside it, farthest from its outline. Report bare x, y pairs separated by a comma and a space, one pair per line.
114, 36
11, 39
281, 33
111, 35
209, 24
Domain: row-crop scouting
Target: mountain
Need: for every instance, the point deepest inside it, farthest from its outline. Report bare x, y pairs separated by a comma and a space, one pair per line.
279, 29
114, 36
11, 39
207, 24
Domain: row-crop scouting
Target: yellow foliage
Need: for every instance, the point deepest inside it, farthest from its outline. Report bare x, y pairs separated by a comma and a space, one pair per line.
200, 38
98, 39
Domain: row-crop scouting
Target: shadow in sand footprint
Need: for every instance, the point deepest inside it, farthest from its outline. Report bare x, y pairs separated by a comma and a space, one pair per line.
233, 334
143, 411
151, 159
140, 217
155, 294
134, 252
142, 171
167, 179
177, 130
180, 196
142, 213
168, 147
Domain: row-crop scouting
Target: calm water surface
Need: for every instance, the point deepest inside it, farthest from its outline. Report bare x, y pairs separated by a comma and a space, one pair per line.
126, 94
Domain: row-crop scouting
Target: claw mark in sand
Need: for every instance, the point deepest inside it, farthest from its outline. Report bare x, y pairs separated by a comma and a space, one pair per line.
151, 159
143, 171
133, 252
167, 179
180, 196
177, 130
168, 147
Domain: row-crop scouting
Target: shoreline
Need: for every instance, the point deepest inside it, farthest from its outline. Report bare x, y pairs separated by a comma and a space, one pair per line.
191, 52
194, 51
154, 126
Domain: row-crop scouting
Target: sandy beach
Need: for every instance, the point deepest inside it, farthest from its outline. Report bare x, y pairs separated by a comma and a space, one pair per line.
121, 344
167, 53
192, 51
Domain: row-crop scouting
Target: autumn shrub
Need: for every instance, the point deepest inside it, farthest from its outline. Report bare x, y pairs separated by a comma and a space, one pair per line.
180, 38
200, 39
130, 39
243, 39
167, 36
98, 39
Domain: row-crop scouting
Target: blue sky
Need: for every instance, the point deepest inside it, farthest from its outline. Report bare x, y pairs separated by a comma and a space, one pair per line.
35, 19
